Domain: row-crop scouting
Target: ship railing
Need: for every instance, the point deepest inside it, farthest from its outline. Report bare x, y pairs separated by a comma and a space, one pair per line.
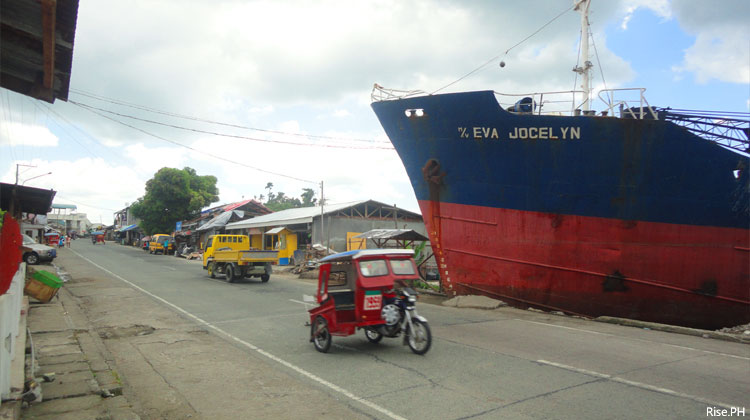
626, 106
543, 103
379, 93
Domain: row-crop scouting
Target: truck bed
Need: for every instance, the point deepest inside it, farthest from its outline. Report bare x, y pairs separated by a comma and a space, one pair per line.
245, 257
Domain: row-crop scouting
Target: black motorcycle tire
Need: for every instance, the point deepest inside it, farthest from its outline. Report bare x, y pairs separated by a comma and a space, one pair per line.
373, 336
419, 329
321, 335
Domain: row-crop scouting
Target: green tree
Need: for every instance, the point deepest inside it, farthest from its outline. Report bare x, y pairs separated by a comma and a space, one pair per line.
280, 201
173, 195
308, 199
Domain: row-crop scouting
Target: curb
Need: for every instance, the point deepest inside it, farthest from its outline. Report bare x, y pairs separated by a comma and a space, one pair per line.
673, 329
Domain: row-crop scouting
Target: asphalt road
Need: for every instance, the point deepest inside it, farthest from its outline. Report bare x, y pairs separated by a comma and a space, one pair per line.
505, 363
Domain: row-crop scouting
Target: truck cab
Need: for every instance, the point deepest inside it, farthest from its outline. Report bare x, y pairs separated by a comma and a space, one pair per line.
224, 242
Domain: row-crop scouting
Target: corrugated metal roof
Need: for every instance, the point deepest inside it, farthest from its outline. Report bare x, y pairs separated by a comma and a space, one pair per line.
290, 216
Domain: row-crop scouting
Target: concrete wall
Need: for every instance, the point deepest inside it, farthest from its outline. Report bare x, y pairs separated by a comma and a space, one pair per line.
10, 313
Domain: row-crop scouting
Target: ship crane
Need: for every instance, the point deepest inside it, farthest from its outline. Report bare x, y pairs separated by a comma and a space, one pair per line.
728, 129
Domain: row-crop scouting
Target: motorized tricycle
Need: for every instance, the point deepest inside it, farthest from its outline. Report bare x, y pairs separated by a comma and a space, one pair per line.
97, 237
356, 291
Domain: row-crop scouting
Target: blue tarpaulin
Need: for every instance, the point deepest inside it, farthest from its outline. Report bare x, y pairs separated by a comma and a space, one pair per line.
127, 228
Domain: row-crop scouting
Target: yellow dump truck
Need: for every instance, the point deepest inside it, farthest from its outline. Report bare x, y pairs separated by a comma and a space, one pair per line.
232, 256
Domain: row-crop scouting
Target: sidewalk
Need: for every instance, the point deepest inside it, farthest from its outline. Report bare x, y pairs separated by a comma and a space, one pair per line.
118, 354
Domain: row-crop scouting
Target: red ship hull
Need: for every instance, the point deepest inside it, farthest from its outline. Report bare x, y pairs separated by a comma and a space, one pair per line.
688, 275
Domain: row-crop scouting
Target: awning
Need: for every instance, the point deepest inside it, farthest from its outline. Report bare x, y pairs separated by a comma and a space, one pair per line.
275, 231
127, 228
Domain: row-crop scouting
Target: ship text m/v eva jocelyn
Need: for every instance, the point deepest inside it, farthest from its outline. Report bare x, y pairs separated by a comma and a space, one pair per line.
522, 133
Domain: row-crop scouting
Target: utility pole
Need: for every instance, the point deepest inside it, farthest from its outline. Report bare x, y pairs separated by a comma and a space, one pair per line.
322, 223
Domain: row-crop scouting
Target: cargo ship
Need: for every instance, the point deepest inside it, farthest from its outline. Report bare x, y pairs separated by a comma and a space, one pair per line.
632, 211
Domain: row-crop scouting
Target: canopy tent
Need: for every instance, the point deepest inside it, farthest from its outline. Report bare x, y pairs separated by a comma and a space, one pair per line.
402, 237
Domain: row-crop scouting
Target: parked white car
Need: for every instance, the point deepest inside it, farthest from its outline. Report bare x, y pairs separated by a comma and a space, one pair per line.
39, 252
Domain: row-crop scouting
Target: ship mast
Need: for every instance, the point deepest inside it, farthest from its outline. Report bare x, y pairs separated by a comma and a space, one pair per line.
582, 6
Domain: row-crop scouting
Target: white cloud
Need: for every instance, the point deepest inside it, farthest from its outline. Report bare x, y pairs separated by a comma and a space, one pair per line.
95, 186
718, 55
660, 8
722, 46
17, 134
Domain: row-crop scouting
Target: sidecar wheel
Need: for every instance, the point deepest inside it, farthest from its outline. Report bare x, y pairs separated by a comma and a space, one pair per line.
420, 338
373, 336
321, 335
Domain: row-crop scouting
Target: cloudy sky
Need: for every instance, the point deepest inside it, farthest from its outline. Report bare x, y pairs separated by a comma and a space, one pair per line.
268, 91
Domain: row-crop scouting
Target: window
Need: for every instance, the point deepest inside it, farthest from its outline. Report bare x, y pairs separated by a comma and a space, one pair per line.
210, 241
337, 278
402, 267
373, 268
323, 284
27, 240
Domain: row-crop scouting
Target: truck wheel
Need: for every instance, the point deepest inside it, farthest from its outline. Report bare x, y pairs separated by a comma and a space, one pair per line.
264, 278
229, 273
211, 270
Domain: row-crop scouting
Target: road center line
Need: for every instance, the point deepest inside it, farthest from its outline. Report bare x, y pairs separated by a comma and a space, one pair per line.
636, 384
271, 356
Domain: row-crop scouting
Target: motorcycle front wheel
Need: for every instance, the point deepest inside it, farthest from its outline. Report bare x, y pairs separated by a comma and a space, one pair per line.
420, 337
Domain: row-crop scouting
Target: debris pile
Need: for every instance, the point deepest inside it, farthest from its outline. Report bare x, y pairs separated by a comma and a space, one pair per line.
739, 329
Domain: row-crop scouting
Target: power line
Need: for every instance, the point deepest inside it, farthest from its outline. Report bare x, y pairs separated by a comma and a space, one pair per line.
50, 109
192, 118
90, 107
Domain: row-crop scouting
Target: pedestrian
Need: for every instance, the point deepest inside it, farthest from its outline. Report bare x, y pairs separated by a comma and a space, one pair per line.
61, 243
67, 241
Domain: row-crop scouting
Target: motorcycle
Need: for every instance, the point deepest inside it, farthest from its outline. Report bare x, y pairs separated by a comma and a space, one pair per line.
400, 315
